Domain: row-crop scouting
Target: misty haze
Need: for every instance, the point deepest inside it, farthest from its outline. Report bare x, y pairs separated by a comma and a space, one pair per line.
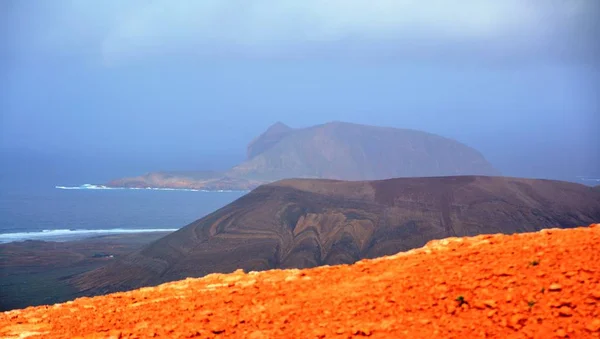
146, 142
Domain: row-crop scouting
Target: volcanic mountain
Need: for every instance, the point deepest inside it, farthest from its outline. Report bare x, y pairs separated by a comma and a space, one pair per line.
304, 223
334, 150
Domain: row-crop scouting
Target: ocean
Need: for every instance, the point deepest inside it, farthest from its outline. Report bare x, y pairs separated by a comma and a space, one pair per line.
74, 212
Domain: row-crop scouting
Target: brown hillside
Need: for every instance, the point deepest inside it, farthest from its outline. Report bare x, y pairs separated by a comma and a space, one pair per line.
307, 223
533, 285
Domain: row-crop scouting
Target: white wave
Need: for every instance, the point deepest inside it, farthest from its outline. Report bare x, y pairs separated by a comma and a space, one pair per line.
87, 187
102, 187
67, 234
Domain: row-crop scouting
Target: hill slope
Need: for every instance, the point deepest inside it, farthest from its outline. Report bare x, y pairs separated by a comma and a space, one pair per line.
306, 223
535, 285
334, 150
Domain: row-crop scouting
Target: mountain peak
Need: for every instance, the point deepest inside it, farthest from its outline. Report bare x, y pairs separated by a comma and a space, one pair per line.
270, 137
278, 127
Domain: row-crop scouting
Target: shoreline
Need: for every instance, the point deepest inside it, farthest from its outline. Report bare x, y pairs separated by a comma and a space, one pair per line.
38, 272
92, 187
66, 235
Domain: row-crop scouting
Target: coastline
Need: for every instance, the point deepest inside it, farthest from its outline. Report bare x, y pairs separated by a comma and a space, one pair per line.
66, 235
104, 187
34, 272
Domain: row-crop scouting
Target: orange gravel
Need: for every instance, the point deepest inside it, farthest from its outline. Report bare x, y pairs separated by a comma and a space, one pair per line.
536, 285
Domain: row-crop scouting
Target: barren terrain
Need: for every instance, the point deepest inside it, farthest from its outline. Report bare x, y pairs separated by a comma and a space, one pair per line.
532, 285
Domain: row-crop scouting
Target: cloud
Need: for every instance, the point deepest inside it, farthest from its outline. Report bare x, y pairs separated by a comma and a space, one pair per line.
121, 31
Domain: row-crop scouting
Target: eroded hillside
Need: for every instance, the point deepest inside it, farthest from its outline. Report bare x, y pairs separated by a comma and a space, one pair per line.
308, 223
531, 285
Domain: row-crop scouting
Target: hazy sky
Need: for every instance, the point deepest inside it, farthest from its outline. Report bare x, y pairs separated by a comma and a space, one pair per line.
174, 84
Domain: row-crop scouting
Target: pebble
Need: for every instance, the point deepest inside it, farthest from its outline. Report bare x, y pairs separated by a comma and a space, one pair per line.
565, 311
555, 287
593, 326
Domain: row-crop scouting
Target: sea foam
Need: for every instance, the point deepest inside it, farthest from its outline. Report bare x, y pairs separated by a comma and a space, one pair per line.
72, 234
102, 187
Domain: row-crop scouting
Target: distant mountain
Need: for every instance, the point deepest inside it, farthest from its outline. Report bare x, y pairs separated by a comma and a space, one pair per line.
305, 223
335, 150
346, 151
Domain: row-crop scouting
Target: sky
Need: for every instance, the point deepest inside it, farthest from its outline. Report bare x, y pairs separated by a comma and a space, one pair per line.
114, 88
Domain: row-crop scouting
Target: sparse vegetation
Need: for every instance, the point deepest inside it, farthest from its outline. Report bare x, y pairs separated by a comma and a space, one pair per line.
534, 263
530, 303
461, 300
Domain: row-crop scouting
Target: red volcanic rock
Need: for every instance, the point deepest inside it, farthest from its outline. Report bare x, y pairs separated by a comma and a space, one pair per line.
532, 285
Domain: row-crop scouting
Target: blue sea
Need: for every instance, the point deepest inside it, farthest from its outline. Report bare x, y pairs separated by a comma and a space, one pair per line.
60, 213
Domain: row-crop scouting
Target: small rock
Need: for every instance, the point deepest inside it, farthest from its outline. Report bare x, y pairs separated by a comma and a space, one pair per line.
319, 333
594, 326
561, 333
565, 311
566, 302
256, 335
555, 287
517, 321
490, 303
479, 305
528, 333
362, 332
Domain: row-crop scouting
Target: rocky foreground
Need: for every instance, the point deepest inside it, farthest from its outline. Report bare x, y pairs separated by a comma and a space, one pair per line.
531, 285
